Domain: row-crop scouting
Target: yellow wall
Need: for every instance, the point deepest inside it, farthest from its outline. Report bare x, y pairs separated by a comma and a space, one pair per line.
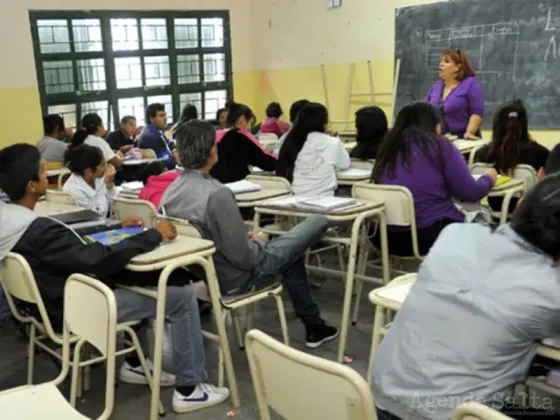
295, 37
20, 113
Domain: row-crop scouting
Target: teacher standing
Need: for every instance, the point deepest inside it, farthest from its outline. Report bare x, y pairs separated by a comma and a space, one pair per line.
458, 95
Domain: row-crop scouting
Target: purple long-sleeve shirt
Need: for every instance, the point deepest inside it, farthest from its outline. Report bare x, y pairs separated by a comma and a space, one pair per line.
464, 101
433, 188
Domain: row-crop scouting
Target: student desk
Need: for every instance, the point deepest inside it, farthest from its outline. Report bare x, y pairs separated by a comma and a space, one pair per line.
49, 208
60, 173
348, 179
137, 162
389, 297
349, 145
347, 135
467, 146
181, 252
252, 199
358, 215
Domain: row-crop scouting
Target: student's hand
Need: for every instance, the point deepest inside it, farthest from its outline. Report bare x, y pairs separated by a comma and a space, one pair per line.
110, 173
125, 149
167, 230
132, 222
176, 156
492, 174
470, 136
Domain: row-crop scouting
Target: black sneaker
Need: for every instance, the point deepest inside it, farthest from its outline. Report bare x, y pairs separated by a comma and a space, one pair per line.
319, 333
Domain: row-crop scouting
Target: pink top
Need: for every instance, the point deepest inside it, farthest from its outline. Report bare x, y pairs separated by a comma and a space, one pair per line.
156, 186
275, 126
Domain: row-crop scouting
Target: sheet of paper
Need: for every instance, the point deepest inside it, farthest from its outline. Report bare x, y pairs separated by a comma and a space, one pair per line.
243, 186
354, 173
132, 186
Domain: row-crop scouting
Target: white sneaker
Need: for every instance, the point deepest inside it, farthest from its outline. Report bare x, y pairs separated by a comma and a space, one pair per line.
135, 375
204, 396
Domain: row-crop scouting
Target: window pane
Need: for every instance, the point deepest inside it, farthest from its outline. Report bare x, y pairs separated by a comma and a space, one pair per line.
100, 108
154, 33
91, 74
212, 32
213, 100
87, 35
165, 100
134, 107
125, 34
214, 67
58, 76
157, 71
68, 112
188, 69
128, 72
53, 36
186, 33
191, 98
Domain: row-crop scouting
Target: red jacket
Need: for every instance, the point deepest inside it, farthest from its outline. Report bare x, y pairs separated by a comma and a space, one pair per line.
156, 186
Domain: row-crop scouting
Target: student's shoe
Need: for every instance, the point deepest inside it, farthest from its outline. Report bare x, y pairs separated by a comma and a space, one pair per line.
204, 396
319, 333
135, 375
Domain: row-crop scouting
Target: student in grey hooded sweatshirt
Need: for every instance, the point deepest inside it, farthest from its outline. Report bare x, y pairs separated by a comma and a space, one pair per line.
471, 323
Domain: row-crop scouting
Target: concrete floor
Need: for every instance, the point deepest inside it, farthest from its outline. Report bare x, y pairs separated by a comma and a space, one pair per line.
133, 401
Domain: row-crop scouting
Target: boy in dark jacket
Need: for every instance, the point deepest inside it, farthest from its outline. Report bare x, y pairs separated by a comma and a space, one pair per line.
54, 252
153, 136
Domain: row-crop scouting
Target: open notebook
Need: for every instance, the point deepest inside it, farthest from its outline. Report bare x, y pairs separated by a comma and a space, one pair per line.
320, 204
500, 181
243, 186
112, 237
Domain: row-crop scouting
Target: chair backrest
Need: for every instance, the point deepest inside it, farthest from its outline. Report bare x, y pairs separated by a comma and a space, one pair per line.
399, 204
271, 182
60, 197
53, 165
148, 154
84, 296
362, 164
343, 394
125, 208
18, 282
475, 411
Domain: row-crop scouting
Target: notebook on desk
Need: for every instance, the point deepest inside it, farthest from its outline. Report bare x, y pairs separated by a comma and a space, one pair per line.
135, 186
325, 204
243, 186
112, 237
74, 217
500, 181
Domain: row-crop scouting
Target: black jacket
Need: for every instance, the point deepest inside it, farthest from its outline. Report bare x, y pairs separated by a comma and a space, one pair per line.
236, 152
54, 252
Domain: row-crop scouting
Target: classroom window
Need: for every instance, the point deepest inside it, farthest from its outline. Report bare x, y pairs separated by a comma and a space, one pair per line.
115, 63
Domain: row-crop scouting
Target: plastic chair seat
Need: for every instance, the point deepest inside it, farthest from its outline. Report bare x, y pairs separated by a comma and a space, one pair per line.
275, 288
43, 402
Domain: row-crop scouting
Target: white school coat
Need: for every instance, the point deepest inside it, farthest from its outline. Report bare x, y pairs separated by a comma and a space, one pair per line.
316, 165
99, 199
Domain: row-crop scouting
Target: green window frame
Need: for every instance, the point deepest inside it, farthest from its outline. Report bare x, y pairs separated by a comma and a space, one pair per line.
117, 62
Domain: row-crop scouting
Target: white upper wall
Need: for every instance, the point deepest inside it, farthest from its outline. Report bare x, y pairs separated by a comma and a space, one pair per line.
296, 33
18, 66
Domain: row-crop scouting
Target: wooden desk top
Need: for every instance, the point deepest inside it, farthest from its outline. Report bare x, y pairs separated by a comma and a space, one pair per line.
180, 247
57, 172
48, 208
468, 145
296, 211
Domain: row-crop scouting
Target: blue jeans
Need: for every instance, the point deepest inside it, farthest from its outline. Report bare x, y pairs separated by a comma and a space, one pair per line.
186, 336
284, 256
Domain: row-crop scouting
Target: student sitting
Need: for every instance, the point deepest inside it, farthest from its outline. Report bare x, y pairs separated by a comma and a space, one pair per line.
92, 133
153, 136
309, 157
273, 124
92, 180
243, 262
415, 156
239, 149
371, 128
473, 320
54, 252
221, 118
51, 146
294, 112
124, 138
156, 179
511, 146
189, 113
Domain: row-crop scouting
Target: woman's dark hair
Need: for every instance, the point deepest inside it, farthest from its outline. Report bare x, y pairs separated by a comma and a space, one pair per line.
416, 124
236, 111
274, 110
189, 113
509, 135
151, 169
371, 128
312, 118
53, 124
83, 157
90, 125
296, 108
